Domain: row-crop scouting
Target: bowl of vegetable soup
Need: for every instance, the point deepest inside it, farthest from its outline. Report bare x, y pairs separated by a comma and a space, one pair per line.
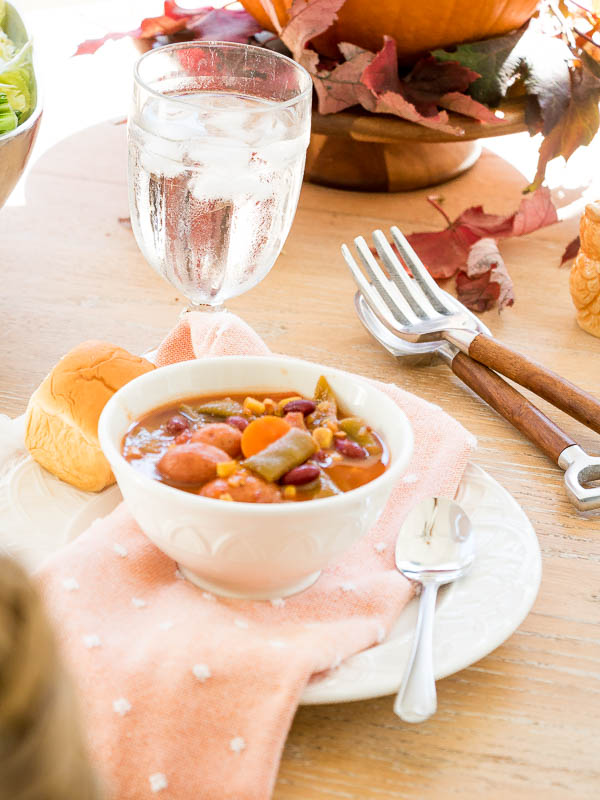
254, 473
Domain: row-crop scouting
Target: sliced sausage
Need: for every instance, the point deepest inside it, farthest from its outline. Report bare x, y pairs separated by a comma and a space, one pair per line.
191, 463
249, 489
295, 419
221, 435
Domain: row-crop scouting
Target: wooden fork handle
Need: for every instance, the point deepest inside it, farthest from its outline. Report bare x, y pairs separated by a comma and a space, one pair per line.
512, 405
547, 384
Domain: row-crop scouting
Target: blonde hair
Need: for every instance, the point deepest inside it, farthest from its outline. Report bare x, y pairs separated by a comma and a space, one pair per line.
42, 752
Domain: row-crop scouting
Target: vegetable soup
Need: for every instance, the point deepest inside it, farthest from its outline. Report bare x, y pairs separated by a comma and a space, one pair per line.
257, 448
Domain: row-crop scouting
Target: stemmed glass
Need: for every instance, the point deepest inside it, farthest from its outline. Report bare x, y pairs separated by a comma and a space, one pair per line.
217, 144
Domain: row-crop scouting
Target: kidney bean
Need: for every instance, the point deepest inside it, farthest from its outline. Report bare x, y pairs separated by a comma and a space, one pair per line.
177, 424
349, 448
237, 422
220, 435
298, 476
191, 463
305, 406
250, 489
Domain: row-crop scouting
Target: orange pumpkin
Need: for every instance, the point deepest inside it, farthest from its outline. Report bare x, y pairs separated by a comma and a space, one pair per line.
416, 25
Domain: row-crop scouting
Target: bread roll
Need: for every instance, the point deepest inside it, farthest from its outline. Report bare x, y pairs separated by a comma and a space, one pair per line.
62, 417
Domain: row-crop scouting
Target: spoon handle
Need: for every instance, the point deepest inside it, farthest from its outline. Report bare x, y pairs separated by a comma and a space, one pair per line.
416, 700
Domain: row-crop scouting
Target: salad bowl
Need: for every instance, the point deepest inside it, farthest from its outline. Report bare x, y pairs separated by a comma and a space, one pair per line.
16, 73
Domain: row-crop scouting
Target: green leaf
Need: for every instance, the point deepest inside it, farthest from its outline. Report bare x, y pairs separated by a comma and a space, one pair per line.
8, 118
7, 48
540, 61
487, 58
16, 85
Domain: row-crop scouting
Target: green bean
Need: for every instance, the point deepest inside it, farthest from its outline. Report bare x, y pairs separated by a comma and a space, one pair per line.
357, 429
287, 452
221, 408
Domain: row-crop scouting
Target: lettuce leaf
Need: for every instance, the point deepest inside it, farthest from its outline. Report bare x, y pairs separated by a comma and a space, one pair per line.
8, 118
16, 76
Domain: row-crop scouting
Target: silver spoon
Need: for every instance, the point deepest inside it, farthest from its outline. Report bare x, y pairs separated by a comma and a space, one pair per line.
435, 546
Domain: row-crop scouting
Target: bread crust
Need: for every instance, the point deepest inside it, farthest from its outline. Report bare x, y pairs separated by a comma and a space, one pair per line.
61, 430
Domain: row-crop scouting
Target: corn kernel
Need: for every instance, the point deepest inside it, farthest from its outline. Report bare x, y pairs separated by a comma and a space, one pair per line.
332, 425
269, 405
323, 438
226, 468
340, 434
289, 492
226, 496
253, 406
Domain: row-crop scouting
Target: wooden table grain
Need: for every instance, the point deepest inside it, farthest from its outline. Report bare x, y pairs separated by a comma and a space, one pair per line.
524, 721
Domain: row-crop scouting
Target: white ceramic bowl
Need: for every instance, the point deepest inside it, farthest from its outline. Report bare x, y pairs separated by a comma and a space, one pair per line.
250, 550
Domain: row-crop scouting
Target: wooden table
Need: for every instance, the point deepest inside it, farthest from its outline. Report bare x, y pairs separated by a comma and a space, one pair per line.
522, 722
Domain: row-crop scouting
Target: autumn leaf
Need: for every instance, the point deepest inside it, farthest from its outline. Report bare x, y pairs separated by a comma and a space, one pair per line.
224, 25
207, 23
571, 250
308, 19
448, 252
465, 105
382, 73
90, 46
534, 212
486, 58
578, 125
417, 97
429, 79
485, 280
341, 87
478, 294
540, 61
379, 88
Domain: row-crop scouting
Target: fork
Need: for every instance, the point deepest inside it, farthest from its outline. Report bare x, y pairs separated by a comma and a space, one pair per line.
416, 310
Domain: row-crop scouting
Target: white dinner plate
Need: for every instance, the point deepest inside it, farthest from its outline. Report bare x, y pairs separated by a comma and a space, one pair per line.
39, 514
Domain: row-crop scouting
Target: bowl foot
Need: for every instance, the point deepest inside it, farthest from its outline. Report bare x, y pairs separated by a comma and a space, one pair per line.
345, 163
215, 588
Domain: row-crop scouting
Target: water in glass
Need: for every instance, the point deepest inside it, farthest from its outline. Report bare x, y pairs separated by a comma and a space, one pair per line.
214, 179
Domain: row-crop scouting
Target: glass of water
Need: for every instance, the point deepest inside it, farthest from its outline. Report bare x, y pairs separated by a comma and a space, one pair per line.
217, 142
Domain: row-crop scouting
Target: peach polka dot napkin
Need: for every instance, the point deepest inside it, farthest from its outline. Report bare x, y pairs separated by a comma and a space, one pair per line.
188, 696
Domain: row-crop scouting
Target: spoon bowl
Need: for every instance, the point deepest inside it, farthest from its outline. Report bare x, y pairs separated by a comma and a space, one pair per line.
435, 542
435, 546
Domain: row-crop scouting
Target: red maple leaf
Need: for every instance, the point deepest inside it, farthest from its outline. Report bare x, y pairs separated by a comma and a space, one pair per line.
445, 252
467, 246
206, 23
307, 20
485, 280
478, 294
341, 87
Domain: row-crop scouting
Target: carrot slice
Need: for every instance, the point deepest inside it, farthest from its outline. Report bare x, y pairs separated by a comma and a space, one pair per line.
261, 433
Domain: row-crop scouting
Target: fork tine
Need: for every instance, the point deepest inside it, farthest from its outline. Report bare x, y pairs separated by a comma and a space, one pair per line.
409, 288
379, 280
420, 272
379, 307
